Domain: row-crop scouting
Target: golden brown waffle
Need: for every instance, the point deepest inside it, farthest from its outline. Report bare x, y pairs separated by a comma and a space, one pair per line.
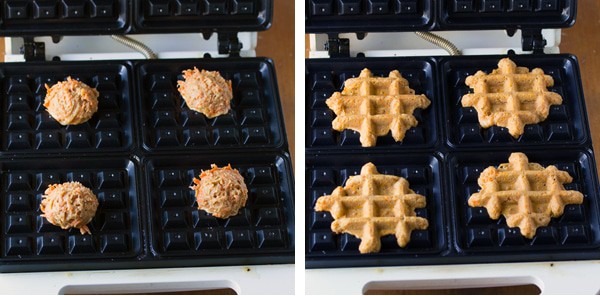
374, 106
511, 96
527, 194
373, 205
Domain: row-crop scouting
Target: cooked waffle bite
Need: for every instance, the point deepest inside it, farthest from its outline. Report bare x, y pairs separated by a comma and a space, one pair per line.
527, 194
372, 205
511, 96
374, 106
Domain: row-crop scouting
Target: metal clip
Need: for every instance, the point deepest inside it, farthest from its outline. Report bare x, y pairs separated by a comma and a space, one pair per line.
229, 44
33, 51
533, 40
338, 47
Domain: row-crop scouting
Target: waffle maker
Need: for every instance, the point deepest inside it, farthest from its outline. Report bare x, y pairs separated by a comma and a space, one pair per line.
141, 150
443, 156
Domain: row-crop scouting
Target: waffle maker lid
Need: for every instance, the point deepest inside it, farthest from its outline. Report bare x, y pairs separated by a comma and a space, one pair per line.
344, 16
107, 17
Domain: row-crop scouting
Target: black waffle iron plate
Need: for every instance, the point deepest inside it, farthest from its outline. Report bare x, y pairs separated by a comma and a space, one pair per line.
139, 154
85, 17
442, 158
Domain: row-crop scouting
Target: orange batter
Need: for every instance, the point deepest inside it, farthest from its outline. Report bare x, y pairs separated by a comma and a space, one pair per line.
220, 191
71, 102
206, 92
69, 205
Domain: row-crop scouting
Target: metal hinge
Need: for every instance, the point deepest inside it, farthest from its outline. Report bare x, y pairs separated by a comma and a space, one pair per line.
338, 47
229, 44
33, 51
533, 40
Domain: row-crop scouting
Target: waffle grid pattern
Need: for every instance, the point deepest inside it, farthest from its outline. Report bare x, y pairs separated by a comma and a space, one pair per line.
161, 15
200, 8
362, 208
477, 232
171, 125
324, 82
540, 191
64, 16
122, 236
115, 228
551, 13
324, 15
85, 17
369, 7
511, 96
513, 7
323, 178
30, 129
179, 228
327, 16
375, 106
472, 236
564, 123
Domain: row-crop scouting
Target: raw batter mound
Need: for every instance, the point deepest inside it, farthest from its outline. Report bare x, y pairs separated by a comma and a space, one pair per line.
71, 102
68, 205
206, 92
220, 191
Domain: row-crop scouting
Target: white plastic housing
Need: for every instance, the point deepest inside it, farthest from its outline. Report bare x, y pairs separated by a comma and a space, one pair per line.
167, 46
409, 44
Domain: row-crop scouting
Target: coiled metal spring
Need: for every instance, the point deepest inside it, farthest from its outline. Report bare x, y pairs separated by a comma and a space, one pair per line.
135, 45
439, 41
